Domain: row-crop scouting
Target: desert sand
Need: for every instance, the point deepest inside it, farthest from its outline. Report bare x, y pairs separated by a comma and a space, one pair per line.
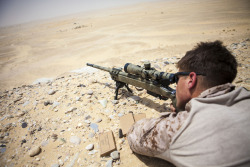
52, 49
47, 49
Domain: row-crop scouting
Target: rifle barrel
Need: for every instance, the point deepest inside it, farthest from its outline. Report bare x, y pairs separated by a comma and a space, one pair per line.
99, 67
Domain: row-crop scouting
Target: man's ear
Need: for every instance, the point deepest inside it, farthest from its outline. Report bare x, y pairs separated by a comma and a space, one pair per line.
192, 80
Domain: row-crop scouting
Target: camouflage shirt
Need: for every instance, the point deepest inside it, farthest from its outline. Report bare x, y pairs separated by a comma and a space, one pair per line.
153, 136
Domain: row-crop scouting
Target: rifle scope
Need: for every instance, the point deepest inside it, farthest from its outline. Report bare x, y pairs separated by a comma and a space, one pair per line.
149, 73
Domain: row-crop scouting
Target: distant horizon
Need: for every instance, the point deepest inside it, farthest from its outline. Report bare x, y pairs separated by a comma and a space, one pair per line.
14, 12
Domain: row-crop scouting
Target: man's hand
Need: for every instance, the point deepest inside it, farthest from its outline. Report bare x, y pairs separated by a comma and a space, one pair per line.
172, 108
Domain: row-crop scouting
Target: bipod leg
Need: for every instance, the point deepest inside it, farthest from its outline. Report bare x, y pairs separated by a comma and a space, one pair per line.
118, 86
126, 85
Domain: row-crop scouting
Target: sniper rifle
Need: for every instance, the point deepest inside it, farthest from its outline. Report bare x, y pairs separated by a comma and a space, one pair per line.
156, 83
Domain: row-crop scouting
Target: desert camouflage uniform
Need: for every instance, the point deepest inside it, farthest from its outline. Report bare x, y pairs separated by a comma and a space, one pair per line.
202, 135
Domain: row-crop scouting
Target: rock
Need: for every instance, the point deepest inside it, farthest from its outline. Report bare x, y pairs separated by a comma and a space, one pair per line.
51, 92
79, 125
48, 102
54, 136
98, 120
81, 85
234, 46
55, 165
24, 125
9, 116
70, 110
43, 80
166, 62
19, 114
109, 163
89, 147
120, 114
55, 104
115, 155
94, 127
239, 81
87, 117
35, 151
87, 121
115, 101
75, 140
103, 102
78, 98
2, 148
90, 92
72, 163
120, 133
23, 141
92, 152
26, 103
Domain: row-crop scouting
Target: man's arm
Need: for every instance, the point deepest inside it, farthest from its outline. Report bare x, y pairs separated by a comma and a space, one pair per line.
153, 136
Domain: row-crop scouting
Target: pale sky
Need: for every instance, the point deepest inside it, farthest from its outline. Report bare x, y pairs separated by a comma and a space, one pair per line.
21, 11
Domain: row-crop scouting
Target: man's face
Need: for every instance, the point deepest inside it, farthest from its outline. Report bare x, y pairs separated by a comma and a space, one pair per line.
182, 92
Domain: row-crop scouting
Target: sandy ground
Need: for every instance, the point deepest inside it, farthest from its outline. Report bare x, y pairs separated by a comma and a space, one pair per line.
157, 32
47, 49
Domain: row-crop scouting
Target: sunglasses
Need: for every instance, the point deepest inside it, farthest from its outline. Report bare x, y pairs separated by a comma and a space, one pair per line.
176, 75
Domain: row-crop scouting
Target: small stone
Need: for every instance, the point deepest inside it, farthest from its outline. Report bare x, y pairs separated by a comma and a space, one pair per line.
115, 155
98, 120
26, 103
239, 81
166, 62
23, 141
54, 136
87, 121
78, 98
51, 92
35, 151
48, 102
2, 149
55, 165
70, 110
20, 114
81, 85
90, 92
120, 114
94, 127
89, 147
88, 96
92, 152
55, 104
120, 133
109, 163
115, 101
24, 125
9, 116
103, 102
87, 117
79, 125
75, 140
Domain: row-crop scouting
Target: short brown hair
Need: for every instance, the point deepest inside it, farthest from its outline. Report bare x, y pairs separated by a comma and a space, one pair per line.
212, 59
